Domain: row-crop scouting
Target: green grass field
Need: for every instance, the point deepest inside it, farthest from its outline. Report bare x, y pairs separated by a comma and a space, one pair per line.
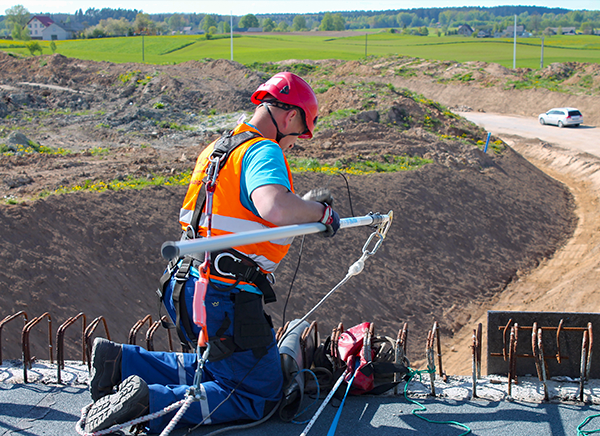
270, 48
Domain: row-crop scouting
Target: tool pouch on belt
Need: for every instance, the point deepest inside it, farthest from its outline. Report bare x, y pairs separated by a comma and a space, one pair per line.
252, 328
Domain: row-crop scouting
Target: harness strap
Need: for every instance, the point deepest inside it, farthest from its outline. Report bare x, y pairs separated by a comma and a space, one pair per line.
182, 322
239, 266
222, 149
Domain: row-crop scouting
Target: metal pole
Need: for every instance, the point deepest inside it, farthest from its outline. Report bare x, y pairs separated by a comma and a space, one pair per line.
366, 35
231, 32
515, 45
542, 56
175, 249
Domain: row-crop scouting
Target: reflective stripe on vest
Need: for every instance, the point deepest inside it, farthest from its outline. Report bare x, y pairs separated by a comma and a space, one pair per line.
229, 215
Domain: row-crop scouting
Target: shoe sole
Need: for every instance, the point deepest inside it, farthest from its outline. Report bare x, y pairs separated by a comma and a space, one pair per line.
130, 402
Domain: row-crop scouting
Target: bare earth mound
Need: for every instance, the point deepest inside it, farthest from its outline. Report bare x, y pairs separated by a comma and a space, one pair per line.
464, 225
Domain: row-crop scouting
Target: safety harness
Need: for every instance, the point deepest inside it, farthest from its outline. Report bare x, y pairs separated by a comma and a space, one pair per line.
230, 264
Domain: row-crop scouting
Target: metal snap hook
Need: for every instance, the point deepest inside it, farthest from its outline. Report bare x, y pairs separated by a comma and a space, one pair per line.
216, 263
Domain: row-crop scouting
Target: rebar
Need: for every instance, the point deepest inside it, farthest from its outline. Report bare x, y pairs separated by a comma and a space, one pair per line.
474, 347
89, 331
27, 359
479, 347
8, 319
583, 366
152, 331
60, 339
589, 356
543, 364
131, 340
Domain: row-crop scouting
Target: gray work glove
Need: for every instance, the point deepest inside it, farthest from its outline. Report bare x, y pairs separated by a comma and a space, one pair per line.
321, 195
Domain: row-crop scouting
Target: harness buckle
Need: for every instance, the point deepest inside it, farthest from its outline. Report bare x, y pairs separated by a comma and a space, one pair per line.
219, 257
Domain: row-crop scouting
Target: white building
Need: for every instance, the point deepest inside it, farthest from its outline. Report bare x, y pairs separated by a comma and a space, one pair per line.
42, 27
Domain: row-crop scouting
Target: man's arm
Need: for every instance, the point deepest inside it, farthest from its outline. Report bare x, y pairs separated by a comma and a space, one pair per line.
281, 207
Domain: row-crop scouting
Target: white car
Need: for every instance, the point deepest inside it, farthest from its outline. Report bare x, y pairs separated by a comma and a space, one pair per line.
562, 116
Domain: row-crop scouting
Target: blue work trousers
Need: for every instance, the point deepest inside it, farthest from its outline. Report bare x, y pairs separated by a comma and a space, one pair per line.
257, 381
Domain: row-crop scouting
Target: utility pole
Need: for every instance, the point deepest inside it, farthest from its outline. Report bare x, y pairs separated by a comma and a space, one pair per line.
231, 32
542, 57
366, 35
515, 45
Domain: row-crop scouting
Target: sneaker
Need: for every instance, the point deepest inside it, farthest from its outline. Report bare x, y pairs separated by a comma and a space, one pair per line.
129, 402
106, 368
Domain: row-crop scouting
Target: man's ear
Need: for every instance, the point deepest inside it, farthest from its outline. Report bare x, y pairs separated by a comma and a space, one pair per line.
290, 116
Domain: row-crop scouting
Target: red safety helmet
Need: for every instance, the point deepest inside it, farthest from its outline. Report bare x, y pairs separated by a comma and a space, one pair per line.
291, 89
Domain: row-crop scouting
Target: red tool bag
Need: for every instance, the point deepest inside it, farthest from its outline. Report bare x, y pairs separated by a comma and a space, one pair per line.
355, 345
374, 356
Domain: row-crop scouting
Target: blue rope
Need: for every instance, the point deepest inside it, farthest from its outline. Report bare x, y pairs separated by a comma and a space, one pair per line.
313, 403
581, 432
334, 424
422, 408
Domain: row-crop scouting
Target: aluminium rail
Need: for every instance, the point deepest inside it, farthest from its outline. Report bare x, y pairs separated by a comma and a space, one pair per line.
176, 249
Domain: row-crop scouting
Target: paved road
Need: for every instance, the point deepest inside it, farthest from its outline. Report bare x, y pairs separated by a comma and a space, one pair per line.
583, 138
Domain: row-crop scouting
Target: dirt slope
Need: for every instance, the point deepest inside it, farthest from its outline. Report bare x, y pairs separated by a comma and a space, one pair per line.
464, 226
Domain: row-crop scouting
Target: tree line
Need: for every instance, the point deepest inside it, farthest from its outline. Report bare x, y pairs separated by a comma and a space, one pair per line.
94, 23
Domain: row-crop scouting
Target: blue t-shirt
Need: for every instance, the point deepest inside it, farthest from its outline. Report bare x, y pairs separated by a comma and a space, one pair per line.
263, 164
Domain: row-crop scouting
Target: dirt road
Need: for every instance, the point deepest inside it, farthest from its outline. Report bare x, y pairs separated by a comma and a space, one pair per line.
568, 281
584, 138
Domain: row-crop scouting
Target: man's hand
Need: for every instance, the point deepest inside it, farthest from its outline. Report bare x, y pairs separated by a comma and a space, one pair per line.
321, 195
331, 220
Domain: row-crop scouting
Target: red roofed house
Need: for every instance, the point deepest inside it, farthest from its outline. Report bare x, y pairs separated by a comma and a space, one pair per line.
42, 27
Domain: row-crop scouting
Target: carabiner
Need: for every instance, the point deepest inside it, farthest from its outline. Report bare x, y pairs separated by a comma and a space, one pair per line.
216, 263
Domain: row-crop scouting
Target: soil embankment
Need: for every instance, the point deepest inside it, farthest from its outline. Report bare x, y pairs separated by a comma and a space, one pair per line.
465, 225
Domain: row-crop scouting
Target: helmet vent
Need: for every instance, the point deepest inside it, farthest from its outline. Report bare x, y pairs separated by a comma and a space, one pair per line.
285, 90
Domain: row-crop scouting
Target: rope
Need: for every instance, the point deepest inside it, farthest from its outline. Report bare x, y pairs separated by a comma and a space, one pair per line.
581, 432
422, 408
169, 428
313, 403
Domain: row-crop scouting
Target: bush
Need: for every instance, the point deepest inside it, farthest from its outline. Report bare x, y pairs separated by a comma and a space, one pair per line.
33, 47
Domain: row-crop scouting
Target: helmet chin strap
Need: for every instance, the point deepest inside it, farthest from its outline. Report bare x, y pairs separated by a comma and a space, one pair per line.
279, 135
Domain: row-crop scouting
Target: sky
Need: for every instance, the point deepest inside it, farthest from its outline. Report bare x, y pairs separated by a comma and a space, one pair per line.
236, 7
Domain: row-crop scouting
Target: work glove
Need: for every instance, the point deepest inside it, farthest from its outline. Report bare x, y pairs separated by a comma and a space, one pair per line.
331, 220
321, 195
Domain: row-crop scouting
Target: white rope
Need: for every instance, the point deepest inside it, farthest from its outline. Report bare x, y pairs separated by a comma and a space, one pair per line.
169, 428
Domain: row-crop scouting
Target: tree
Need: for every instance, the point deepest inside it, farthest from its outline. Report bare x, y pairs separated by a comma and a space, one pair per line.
53, 47
176, 22
404, 19
33, 47
248, 21
207, 22
268, 25
142, 23
338, 22
17, 18
283, 27
332, 22
299, 23
327, 22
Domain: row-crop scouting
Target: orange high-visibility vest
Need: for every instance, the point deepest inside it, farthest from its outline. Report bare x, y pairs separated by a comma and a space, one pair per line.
229, 215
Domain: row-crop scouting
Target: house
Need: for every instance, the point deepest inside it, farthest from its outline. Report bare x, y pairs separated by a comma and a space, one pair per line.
483, 34
37, 24
510, 31
42, 27
565, 30
465, 30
